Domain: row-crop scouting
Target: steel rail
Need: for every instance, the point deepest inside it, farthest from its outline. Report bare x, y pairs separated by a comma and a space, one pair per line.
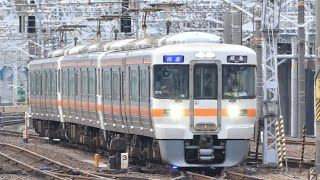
43, 159
238, 176
11, 122
196, 176
28, 167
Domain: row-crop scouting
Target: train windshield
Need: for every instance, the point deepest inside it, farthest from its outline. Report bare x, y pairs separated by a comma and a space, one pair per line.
238, 81
171, 81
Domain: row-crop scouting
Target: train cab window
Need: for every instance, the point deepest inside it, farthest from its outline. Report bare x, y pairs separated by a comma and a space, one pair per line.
205, 81
84, 82
71, 83
65, 82
238, 81
92, 81
115, 86
106, 84
134, 84
144, 86
171, 81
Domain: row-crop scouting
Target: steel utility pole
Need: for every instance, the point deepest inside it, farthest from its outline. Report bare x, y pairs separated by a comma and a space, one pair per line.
294, 87
258, 49
301, 70
236, 27
317, 88
270, 30
227, 33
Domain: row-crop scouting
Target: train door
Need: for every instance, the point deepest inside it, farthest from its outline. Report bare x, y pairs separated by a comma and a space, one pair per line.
84, 94
72, 100
134, 105
47, 93
92, 94
77, 92
54, 110
145, 100
107, 98
42, 94
123, 107
34, 88
65, 93
116, 105
205, 96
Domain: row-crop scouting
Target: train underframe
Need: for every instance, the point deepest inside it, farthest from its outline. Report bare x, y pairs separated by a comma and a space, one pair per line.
140, 148
200, 152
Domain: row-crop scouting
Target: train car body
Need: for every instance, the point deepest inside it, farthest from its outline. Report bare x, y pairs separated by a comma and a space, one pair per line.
188, 100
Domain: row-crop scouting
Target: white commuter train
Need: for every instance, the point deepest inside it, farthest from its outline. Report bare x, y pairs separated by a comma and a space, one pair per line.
186, 99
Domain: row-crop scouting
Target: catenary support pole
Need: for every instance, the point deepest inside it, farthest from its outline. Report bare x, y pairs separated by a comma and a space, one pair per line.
236, 27
259, 89
317, 88
294, 93
301, 69
227, 28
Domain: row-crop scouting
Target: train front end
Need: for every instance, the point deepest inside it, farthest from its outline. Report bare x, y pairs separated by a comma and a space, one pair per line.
203, 103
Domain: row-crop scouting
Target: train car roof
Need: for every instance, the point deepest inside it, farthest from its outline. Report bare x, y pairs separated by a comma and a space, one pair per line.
213, 47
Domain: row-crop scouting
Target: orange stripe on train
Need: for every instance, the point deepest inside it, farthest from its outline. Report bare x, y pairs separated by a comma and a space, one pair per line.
203, 112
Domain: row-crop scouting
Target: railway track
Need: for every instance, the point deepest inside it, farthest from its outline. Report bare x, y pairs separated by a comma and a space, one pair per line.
292, 161
64, 172
237, 176
11, 122
196, 176
15, 133
228, 175
32, 162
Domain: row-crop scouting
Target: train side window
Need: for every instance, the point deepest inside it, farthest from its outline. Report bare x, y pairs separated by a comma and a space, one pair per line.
92, 81
76, 82
71, 83
143, 85
35, 83
59, 81
41, 84
134, 85
65, 83
48, 82
84, 82
106, 84
38, 83
54, 83
32, 83
115, 85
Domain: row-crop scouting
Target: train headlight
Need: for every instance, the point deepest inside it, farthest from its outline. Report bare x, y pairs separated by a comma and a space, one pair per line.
233, 111
176, 111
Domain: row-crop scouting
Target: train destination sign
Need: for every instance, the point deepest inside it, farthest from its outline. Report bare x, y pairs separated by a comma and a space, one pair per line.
173, 59
237, 59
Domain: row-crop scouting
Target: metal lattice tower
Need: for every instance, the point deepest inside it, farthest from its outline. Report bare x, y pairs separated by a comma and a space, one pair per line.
270, 30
